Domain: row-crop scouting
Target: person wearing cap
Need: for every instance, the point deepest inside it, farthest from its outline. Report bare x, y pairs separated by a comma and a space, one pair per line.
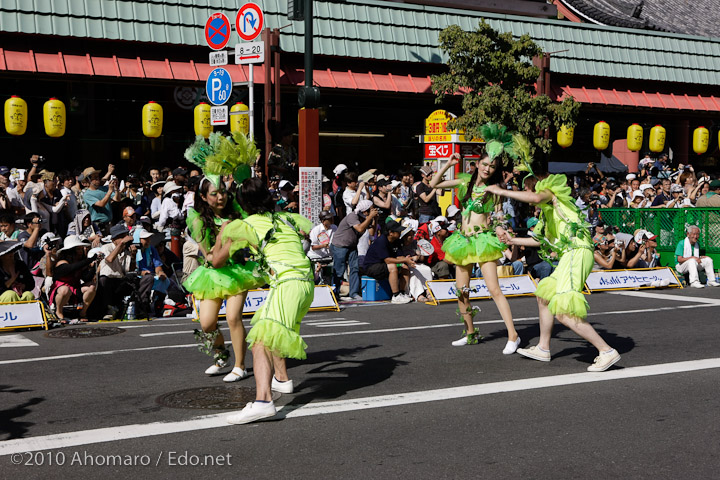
30, 238
338, 177
353, 192
439, 265
678, 198
276, 238
382, 199
688, 259
118, 259
344, 245
326, 198
641, 250
477, 243
17, 281
712, 197
149, 267
426, 196
129, 218
562, 228
286, 201
171, 205
98, 197
73, 276
384, 261
637, 200
16, 193
4, 177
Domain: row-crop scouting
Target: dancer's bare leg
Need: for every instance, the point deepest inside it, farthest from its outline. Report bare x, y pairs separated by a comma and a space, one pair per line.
263, 371
489, 271
546, 323
462, 280
234, 309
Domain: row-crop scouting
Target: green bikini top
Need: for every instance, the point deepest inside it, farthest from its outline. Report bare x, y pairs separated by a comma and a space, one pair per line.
478, 201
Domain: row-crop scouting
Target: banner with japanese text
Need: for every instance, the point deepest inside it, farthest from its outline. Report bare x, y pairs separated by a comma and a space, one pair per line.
445, 290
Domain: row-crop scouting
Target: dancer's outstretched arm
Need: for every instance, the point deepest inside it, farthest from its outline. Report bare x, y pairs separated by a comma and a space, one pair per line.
521, 196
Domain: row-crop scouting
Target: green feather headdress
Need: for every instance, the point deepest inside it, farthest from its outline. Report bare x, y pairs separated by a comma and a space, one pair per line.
221, 155
520, 151
497, 140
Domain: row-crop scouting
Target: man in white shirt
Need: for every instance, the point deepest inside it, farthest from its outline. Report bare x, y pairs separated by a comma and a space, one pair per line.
119, 257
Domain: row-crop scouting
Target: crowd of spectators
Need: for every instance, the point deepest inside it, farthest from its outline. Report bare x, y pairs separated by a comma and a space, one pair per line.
73, 237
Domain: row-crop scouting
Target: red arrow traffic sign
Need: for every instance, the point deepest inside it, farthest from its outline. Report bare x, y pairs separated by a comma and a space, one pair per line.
249, 21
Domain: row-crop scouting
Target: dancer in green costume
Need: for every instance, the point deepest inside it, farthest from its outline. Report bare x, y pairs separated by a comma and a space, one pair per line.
478, 242
230, 281
274, 239
561, 228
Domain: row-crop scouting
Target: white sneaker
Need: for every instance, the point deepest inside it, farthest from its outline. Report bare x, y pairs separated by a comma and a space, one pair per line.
511, 347
401, 299
460, 343
282, 387
713, 283
235, 374
604, 361
535, 353
253, 411
216, 367
697, 285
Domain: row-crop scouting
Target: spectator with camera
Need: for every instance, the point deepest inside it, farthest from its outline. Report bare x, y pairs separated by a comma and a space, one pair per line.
98, 197
83, 225
73, 277
171, 207
30, 237
118, 260
677, 198
608, 254
641, 250
344, 245
426, 196
616, 196
287, 201
55, 203
66, 182
689, 260
149, 266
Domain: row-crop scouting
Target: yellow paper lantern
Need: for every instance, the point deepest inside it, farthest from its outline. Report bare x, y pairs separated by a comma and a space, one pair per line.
701, 139
15, 115
634, 137
240, 123
601, 135
565, 136
657, 139
202, 120
54, 118
152, 119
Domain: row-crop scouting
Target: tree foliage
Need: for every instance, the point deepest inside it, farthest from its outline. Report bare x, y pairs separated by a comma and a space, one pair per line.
494, 73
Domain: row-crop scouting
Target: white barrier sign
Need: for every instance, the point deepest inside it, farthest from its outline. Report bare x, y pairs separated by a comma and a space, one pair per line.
323, 300
22, 315
444, 290
621, 279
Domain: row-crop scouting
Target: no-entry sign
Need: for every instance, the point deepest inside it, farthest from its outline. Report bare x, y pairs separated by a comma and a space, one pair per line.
217, 31
249, 21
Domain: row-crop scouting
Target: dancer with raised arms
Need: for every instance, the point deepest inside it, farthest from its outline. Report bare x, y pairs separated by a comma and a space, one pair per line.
477, 242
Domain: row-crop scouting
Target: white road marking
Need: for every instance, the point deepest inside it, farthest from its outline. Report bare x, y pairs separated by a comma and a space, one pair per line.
349, 323
16, 340
125, 432
177, 332
660, 296
332, 334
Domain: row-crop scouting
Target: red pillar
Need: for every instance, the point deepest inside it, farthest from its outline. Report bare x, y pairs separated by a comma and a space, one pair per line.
309, 142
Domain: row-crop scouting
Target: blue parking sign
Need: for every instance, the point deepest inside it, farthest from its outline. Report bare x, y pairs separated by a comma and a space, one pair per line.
218, 86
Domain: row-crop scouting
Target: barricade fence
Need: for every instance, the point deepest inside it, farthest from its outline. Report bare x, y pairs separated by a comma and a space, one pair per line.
669, 226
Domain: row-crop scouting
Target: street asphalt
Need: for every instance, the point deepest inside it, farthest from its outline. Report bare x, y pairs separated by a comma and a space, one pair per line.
381, 395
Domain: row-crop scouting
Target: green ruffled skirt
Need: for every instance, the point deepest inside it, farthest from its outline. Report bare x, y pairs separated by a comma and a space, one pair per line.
563, 288
230, 280
478, 248
276, 325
